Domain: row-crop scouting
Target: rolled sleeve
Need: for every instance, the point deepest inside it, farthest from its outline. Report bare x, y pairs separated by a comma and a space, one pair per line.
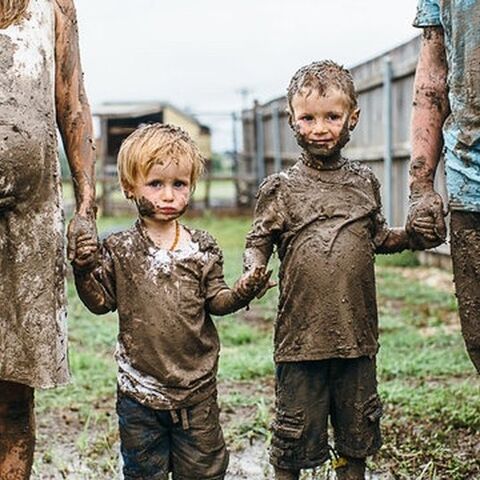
428, 14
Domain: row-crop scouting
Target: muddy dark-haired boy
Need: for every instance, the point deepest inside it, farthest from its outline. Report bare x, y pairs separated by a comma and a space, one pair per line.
165, 280
324, 216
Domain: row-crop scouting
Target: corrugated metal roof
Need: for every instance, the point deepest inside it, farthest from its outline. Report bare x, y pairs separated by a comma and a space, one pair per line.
128, 109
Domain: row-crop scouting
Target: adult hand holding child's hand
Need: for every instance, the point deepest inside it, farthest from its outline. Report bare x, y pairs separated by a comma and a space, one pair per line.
425, 221
85, 252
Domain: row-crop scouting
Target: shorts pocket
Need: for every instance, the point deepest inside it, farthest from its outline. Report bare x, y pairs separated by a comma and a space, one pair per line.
373, 409
288, 428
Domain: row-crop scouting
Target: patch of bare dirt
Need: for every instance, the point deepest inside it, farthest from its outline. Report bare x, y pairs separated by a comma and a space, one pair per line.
433, 277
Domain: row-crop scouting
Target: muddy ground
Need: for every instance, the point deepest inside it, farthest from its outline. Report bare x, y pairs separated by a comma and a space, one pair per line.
76, 446
71, 449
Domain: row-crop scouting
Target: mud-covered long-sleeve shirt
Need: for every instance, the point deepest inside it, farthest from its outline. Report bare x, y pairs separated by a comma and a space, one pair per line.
168, 345
327, 225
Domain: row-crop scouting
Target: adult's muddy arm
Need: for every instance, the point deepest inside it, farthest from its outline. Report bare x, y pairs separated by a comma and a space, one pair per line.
430, 109
74, 120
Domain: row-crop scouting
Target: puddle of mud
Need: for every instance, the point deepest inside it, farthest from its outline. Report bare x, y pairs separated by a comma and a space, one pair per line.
251, 463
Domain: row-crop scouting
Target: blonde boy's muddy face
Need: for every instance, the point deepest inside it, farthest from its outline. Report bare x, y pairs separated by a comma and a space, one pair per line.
322, 122
163, 195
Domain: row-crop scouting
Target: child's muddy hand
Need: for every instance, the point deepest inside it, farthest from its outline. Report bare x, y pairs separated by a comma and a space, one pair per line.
79, 226
267, 286
253, 282
85, 256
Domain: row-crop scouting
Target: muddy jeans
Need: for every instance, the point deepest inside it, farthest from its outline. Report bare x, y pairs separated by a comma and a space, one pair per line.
307, 394
465, 241
188, 442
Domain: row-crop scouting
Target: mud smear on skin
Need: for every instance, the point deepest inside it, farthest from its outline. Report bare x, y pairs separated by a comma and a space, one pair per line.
323, 157
145, 207
17, 430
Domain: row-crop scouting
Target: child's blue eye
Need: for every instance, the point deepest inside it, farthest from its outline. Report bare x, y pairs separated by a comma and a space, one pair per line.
179, 184
307, 118
334, 116
154, 183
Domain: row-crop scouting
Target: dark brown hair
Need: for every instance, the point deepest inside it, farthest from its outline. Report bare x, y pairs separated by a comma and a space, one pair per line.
321, 76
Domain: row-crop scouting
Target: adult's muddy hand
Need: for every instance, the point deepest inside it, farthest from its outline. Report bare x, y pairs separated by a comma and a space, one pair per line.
426, 209
79, 226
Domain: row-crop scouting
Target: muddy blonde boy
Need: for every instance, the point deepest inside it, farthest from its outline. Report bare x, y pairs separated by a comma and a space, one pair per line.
324, 216
165, 280
157, 144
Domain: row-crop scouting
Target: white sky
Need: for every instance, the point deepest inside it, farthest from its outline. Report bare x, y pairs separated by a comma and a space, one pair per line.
198, 54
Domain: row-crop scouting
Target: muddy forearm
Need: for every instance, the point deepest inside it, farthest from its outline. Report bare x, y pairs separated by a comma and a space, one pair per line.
91, 292
397, 240
73, 111
430, 109
227, 301
256, 256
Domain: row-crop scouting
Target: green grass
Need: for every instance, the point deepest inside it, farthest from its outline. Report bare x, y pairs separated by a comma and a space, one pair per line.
430, 391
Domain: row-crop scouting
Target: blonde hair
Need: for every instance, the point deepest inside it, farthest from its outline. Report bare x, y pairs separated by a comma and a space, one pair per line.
321, 76
156, 144
11, 11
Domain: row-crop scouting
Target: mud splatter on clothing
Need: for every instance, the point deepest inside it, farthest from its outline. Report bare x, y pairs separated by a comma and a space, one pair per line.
33, 349
168, 345
326, 225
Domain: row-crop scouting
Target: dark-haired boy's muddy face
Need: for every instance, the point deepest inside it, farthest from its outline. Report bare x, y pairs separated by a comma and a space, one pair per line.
322, 123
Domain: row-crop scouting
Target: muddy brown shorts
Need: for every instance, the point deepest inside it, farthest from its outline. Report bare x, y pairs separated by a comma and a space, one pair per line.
308, 394
465, 238
188, 442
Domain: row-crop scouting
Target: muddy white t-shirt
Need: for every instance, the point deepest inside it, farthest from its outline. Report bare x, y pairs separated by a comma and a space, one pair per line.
168, 345
326, 225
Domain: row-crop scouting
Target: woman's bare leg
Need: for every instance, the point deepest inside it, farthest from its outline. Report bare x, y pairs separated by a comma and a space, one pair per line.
17, 431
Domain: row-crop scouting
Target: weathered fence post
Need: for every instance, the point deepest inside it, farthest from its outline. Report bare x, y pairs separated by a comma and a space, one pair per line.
277, 150
260, 144
388, 138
